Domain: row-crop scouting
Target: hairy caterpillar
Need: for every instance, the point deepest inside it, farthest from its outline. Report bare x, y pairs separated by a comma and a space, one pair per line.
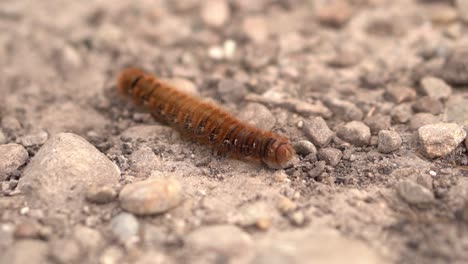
203, 122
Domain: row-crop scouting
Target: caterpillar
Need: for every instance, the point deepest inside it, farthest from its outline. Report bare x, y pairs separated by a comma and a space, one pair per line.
203, 122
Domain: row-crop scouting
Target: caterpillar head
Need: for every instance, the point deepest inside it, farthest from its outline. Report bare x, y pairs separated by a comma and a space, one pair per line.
279, 154
128, 79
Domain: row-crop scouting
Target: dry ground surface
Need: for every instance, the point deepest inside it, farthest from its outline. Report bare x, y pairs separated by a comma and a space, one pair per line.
372, 93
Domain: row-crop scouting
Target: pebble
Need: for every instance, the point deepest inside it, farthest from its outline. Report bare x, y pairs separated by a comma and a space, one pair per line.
427, 104
378, 122
335, 13
101, 194
305, 147
285, 205
331, 156
414, 193
317, 170
389, 141
89, 239
125, 227
35, 139
10, 124
256, 28
258, 115
455, 68
462, 7
355, 132
297, 218
26, 251
183, 85
254, 214
232, 243
112, 255
399, 94
65, 251
402, 113
435, 88
438, 140
64, 167
231, 91
3, 138
143, 161
152, 196
421, 119
317, 130
456, 109
28, 228
215, 13
344, 109
12, 156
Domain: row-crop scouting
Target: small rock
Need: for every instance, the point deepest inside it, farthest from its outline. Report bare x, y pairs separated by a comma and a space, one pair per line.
378, 122
318, 131
35, 139
331, 156
304, 147
456, 109
3, 138
399, 94
231, 91
427, 104
285, 205
435, 88
88, 238
232, 243
151, 196
258, 115
26, 251
10, 124
66, 162
344, 109
27, 229
125, 227
216, 53
455, 68
254, 214
414, 193
256, 28
389, 141
101, 194
111, 255
462, 7
65, 251
215, 13
438, 140
421, 119
355, 132
143, 161
183, 85
317, 170
402, 113
298, 218
12, 156
335, 13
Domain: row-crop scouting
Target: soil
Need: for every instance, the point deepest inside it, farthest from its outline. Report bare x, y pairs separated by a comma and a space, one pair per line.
284, 66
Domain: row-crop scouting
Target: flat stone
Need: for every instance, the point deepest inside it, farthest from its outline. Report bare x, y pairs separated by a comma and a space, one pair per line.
355, 132
414, 193
438, 140
146, 133
421, 119
65, 166
331, 156
344, 109
399, 94
388, 141
427, 104
257, 115
317, 130
435, 88
12, 156
378, 122
304, 147
152, 196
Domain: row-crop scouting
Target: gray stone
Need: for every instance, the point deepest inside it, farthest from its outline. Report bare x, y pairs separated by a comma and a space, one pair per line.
344, 109
26, 251
64, 167
65, 251
231, 91
318, 131
101, 194
402, 113
428, 104
232, 243
378, 122
125, 227
35, 139
389, 141
317, 170
215, 12
304, 147
414, 193
455, 68
12, 156
331, 156
399, 94
355, 132
438, 140
258, 115
152, 196
421, 119
435, 88
456, 110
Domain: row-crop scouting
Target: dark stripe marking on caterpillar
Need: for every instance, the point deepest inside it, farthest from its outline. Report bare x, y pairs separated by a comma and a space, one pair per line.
203, 122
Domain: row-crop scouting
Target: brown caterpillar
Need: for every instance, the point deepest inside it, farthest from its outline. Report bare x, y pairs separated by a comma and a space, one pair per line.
204, 122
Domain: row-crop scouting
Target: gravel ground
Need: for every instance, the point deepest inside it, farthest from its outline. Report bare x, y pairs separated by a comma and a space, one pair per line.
372, 94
